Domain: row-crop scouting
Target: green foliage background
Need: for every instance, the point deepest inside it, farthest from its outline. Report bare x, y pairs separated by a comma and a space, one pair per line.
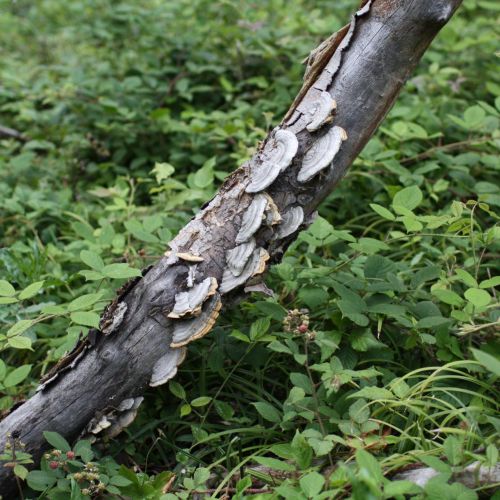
134, 112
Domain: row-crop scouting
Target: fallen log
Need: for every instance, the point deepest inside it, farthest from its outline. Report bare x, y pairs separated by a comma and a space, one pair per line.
350, 84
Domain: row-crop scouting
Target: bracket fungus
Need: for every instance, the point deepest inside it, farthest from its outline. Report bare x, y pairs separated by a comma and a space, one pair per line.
166, 367
321, 153
321, 111
277, 155
255, 265
291, 220
187, 330
237, 258
190, 302
252, 218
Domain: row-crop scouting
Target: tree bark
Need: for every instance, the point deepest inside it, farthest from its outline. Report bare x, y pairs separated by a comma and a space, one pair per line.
363, 69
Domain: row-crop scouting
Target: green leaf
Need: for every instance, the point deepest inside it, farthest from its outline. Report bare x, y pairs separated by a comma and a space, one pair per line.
176, 389
84, 301
474, 116
368, 462
373, 393
92, 260
41, 480
435, 464
311, 484
19, 342
6, 289
268, 412
274, 463
162, 171
204, 177
185, 410
31, 290
16, 376
85, 318
466, 278
490, 283
57, 441
259, 328
477, 297
118, 271
490, 362
19, 327
201, 401
119, 481
383, 212
408, 198
453, 450
448, 297
359, 411
20, 471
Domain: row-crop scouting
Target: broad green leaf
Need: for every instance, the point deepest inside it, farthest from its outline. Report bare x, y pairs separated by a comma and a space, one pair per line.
368, 462
19, 342
162, 171
20, 327
311, 484
31, 290
201, 401
490, 283
383, 212
41, 480
176, 389
268, 412
466, 278
85, 318
6, 289
120, 271
20, 471
373, 393
274, 463
477, 297
408, 198
16, 376
92, 260
57, 441
453, 450
447, 296
489, 361
84, 301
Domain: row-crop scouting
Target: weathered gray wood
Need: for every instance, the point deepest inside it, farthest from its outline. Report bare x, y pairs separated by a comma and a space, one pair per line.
386, 43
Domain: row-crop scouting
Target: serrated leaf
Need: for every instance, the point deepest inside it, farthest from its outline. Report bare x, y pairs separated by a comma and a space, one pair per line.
312, 484
373, 393
41, 480
57, 441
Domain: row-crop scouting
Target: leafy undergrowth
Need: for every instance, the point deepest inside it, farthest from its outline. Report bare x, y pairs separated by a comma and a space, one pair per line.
380, 349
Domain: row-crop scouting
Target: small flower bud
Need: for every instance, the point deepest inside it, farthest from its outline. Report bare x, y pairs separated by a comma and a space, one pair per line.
303, 328
54, 464
70, 455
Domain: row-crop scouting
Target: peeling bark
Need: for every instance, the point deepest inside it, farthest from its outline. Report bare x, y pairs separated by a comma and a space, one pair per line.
362, 68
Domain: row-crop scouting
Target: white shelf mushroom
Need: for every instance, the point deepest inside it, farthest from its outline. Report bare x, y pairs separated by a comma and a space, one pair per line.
187, 330
252, 218
291, 220
255, 265
321, 111
277, 155
166, 367
321, 153
190, 302
237, 258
